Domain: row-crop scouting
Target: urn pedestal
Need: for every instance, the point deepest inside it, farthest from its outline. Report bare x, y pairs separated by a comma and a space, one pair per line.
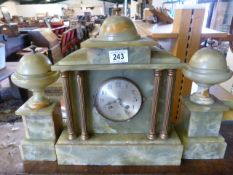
198, 128
202, 112
42, 128
41, 115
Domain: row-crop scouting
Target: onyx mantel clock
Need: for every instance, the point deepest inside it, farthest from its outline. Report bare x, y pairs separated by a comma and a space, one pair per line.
118, 92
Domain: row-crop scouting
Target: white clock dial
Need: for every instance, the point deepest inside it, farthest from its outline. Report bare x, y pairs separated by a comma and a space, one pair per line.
118, 99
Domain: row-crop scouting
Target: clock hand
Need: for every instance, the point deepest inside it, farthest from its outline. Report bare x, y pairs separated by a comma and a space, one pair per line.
127, 112
110, 103
126, 107
119, 100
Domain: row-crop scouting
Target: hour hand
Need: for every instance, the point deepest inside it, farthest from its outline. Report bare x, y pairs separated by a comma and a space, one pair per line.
126, 107
119, 100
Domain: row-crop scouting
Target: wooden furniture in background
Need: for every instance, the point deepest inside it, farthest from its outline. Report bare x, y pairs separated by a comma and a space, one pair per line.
182, 39
28, 50
219, 11
185, 36
188, 23
5, 73
14, 44
231, 32
69, 41
59, 30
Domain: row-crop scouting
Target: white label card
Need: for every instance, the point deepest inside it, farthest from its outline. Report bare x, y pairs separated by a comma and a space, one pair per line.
118, 56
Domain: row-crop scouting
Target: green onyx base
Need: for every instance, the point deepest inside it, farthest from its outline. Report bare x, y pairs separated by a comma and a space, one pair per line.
198, 128
42, 124
42, 128
119, 149
136, 55
201, 120
37, 150
203, 147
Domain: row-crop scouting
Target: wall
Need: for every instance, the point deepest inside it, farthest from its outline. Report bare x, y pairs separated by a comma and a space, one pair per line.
52, 9
157, 3
11, 6
32, 10
133, 8
76, 5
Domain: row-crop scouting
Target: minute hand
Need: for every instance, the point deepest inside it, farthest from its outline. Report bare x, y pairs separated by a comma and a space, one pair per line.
126, 107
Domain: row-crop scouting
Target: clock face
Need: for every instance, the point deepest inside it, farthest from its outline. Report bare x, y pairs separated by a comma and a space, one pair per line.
118, 99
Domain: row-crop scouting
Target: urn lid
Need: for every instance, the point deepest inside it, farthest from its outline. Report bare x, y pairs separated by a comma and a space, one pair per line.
208, 59
207, 66
118, 28
34, 64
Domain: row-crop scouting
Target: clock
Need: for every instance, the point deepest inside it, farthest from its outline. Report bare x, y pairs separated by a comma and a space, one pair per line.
118, 91
118, 99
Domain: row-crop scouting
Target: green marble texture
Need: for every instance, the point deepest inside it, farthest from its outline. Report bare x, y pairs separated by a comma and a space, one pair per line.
203, 147
139, 123
37, 150
142, 78
136, 55
78, 61
159, 56
200, 120
96, 43
110, 142
45, 123
42, 128
119, 149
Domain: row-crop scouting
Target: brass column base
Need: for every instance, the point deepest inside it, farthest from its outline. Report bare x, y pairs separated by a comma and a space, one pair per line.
151, 136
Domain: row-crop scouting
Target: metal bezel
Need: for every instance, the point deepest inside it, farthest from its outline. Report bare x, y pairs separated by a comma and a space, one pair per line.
103, 84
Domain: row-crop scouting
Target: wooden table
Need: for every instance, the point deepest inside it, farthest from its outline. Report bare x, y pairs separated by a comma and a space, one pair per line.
28, 51
165, 31
17, 92
155, 31
5, 73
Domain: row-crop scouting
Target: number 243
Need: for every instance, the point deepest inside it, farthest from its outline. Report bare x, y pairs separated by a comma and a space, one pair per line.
118, 56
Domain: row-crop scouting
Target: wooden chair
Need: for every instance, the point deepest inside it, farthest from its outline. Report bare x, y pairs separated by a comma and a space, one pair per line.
59, 31
65, 42
231, 32
74, 40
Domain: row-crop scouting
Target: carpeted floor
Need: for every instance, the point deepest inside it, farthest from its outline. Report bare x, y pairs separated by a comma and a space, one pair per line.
8, 106
12, 133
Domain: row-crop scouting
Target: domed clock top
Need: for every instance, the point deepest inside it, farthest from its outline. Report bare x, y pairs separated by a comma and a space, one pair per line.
118, 28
